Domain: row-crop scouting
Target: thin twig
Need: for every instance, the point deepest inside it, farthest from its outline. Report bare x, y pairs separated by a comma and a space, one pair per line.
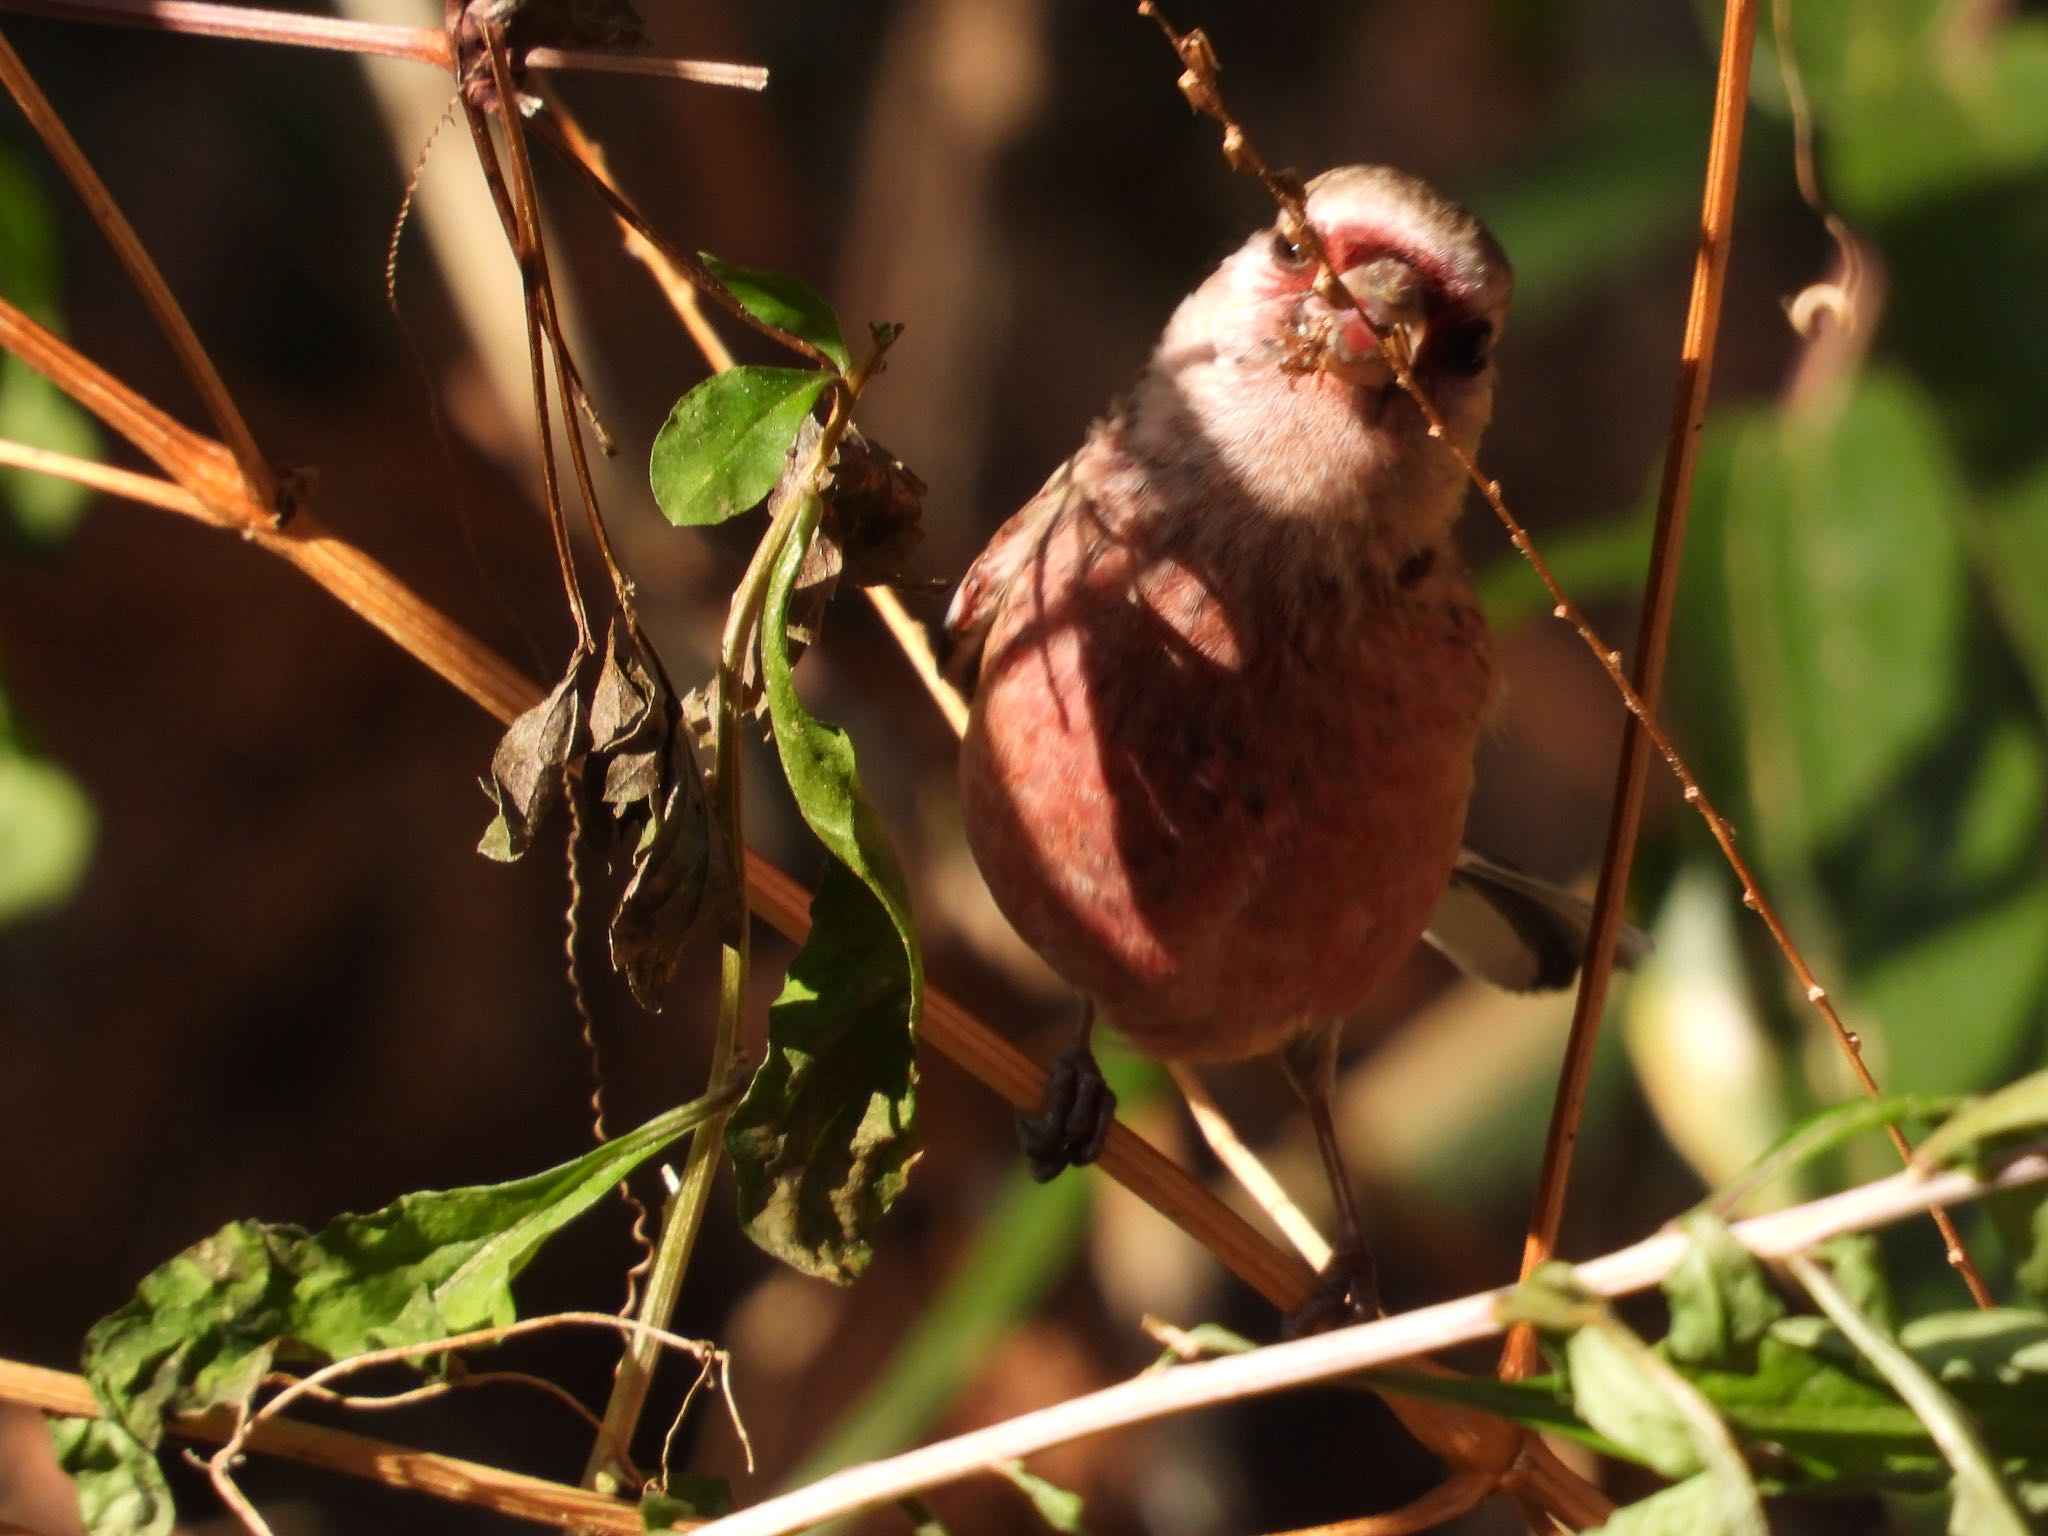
142, 271
1653, 634
676, 285
690, 267
513, 214
1449, 1499
248, 23
531, 250
417, 45
1244, 1165
105, 478
220, 1464
1343, 1353
469, 1483
916, 647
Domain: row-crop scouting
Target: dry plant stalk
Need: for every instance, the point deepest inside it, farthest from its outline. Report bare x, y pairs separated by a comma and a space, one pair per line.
450, 1478
417, 45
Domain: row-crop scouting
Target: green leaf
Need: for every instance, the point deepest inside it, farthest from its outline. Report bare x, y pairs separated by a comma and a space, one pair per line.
786, 302
683, 1499
1597, 562
1689, 1508
1618, 185
46, 833
1822, 1132
121, 1489
1701, 1047
2017, 1110
33, 409
824, 1139
2012, 530
1721, 1305
1841, 512
1058, 1507
725, 444
1636, 1399
2022, 1218
1535, 1402
204, 1327
1984, 1506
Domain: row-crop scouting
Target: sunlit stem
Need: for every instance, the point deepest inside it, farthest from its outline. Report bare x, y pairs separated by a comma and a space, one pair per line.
796, 517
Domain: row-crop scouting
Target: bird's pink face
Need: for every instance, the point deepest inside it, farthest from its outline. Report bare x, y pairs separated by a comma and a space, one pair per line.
1426, 273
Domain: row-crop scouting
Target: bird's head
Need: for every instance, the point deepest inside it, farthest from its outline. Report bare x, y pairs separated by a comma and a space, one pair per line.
1258, 337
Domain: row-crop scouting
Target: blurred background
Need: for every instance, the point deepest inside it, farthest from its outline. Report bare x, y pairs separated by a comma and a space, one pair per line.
251, 966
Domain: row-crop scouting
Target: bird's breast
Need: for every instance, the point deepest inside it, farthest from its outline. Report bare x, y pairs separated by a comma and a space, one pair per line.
1221, 795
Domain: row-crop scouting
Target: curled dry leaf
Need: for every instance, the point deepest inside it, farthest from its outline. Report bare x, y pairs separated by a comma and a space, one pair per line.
649, 781
532, 764
872, 522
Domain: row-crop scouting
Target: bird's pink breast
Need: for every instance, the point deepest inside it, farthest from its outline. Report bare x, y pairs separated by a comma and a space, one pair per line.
1221, 796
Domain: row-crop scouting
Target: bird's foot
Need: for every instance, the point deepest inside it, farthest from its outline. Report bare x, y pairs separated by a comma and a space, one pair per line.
1073, 1122
1347, 1291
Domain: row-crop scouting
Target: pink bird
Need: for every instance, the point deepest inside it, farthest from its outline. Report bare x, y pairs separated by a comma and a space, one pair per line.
1231, 672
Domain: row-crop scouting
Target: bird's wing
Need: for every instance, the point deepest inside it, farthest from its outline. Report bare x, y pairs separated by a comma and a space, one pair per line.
1518, 932
979, 598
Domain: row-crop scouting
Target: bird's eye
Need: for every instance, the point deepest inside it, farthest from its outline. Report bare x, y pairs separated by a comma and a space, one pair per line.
1466, 346
1287, 252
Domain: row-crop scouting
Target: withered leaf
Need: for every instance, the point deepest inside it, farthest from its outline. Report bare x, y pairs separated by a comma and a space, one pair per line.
872, 522
530, 765
650, 783
675, 885
877, 501
630, 722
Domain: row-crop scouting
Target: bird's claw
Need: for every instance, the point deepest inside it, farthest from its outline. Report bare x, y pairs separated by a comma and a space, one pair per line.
1074, 1120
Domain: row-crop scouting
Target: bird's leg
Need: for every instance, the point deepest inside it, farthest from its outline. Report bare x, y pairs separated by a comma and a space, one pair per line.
1349, 1288
1071, 1125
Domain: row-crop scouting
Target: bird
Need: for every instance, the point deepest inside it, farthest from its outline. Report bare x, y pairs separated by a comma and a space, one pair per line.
1228, 673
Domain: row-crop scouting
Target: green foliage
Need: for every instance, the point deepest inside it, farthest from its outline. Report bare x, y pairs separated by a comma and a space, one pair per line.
823, 1142
1058, 1507
724, 445
32, 409
46, 831
785, 302
1851, 1401
824, 1139
205, 1327
685, 1501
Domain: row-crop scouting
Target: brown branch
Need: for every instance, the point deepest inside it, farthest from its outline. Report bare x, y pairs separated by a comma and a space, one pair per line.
142, 271
248, 23
1653, 634
451, 1478
417, 45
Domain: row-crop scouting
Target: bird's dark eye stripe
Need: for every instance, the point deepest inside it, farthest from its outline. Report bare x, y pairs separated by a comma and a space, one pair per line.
1466, 346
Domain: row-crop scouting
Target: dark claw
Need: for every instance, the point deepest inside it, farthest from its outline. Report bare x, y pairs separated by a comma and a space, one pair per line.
1069, 1129
1347, 1291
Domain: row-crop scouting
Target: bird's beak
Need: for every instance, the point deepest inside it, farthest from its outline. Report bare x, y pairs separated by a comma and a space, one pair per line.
1391, 293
